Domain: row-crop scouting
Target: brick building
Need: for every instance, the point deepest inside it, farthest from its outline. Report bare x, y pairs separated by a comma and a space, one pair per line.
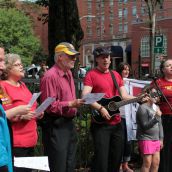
121, 24
35, 12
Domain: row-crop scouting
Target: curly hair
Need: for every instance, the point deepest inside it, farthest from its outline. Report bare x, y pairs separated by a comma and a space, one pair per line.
10, 59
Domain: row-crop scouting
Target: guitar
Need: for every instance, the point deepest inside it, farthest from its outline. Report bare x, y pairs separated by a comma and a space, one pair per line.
113, 104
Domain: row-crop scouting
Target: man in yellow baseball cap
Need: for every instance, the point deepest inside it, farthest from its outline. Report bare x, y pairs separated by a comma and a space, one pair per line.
66, 48
58, 82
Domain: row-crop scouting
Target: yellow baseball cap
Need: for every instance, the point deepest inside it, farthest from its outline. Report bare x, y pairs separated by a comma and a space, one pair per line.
66, 48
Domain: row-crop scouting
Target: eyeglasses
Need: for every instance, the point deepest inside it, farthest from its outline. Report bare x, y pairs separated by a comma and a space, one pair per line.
18, 65
71, 57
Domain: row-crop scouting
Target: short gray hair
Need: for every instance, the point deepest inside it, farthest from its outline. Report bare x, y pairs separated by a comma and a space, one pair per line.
10, 59
56, 56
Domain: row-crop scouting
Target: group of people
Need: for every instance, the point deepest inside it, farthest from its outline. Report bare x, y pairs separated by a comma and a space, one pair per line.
59, 135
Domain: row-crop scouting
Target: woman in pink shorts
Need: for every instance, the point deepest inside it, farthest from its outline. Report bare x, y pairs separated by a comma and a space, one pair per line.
150, 132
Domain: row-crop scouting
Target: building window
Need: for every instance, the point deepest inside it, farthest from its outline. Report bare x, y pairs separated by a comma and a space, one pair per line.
143, 10
111, 3
102, 18
134, 11
125, 12
120, 27
125, 27
98, 20
89, 5
144, 49
88, 30
102, 4
98, 31
120, 13
102, 30
97, 6
165, 45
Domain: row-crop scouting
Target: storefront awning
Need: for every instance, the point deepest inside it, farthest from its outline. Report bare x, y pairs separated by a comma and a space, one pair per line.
116, 51
128, 49
144, 64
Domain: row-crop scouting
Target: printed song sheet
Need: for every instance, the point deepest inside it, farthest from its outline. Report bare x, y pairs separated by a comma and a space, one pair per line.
92, 97
34, 98
44, 105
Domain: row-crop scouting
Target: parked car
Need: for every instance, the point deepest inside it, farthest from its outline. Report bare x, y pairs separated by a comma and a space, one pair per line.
32, 72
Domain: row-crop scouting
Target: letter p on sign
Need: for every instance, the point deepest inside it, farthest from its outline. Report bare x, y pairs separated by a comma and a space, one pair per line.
158, 41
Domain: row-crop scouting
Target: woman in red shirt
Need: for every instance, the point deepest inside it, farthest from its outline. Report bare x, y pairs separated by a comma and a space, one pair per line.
165, 85
24, 127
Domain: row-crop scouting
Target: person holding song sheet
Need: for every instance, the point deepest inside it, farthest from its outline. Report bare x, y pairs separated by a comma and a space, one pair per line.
107, 134
24, 126
58, 129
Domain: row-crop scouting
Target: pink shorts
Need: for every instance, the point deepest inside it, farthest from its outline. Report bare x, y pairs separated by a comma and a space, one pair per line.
149, 146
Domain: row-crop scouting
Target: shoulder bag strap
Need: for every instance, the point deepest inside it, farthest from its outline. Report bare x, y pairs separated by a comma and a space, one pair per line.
115, 83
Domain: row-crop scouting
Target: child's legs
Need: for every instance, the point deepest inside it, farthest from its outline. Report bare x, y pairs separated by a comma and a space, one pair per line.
155, 162
147, 160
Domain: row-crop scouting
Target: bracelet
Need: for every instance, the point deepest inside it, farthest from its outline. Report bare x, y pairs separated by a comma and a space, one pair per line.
101, 107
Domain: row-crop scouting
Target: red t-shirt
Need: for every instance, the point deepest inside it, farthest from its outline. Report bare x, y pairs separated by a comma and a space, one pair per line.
166, 88
103, 83
24, 132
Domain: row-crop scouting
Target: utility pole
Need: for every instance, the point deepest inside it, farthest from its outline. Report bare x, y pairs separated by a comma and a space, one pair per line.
152, 44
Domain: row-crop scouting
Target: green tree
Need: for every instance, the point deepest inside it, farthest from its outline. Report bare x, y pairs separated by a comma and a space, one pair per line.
16, 34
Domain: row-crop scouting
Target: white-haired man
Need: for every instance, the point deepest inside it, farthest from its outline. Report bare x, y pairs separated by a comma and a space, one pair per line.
59, 133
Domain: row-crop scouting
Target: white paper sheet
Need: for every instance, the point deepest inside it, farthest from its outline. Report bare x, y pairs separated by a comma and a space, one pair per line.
44, 105
34, 98
154, 107
39, 163
93, 97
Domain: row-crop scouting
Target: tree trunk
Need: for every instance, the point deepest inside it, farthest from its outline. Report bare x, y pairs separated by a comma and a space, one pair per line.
63, 25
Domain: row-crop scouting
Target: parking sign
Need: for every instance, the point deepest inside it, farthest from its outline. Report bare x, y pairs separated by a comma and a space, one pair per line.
159, 41
158, 44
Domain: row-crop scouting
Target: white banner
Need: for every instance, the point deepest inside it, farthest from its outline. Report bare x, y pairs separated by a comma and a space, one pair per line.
134, 87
